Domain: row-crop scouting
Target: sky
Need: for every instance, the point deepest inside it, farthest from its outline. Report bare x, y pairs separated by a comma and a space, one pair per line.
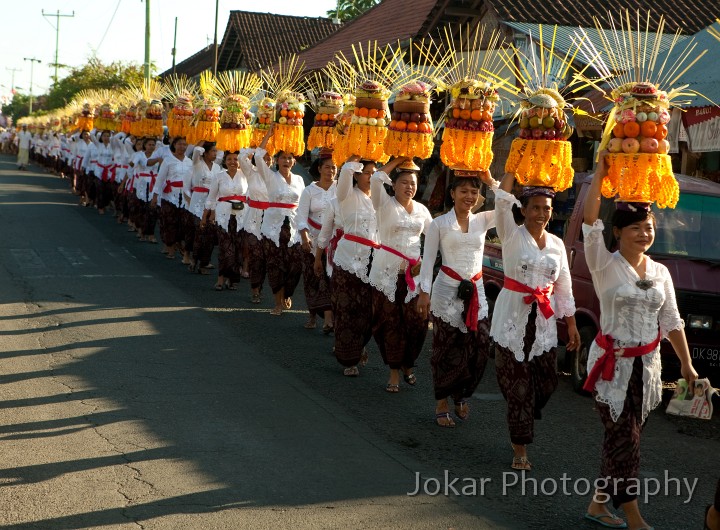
115, 30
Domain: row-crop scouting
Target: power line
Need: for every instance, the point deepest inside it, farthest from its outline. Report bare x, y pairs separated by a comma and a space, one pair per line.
108, 27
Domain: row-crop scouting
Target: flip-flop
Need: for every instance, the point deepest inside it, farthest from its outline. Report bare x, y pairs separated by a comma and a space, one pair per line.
599, 520
410, 379
392, 389
444, 416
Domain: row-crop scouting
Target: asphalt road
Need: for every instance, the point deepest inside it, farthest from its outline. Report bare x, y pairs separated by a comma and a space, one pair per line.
132, 395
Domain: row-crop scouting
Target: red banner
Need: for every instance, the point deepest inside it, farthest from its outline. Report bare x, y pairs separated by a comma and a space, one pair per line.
694, 115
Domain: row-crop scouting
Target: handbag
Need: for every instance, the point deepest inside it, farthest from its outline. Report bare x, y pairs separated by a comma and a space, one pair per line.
694, 402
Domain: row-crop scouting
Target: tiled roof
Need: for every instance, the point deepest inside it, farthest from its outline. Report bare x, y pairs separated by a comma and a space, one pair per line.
254, 40
690, 16
195, 64
387, 22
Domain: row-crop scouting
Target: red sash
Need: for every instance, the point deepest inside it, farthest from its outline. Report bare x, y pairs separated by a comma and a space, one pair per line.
541, 296
200, 189
233, 198
471, 318
316, 226
262, 205
411, 261
172, 184
332, 246
106, 172
605, 365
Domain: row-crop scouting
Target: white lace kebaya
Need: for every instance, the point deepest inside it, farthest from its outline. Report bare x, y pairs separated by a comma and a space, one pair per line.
201, 178
632, 316
398, 230
463, 253
223, 185
329, 231
256, 191
313, 202
279, 191
357, 217
524, 262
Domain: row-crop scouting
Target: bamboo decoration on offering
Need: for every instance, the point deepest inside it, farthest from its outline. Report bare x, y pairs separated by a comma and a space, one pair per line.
344, 80
468, 132
183, 92
206, 119
639, 166
328, 106
542, 155
288, 134
411, 131
234, 89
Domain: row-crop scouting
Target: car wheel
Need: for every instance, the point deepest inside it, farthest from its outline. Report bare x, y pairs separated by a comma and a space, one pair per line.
580, 357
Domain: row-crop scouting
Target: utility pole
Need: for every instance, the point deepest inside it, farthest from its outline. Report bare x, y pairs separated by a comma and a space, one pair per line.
174, 44
147, 41
57, 37
13, 70
216, 44
32, 60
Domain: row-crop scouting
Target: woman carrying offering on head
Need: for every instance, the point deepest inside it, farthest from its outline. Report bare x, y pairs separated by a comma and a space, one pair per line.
637, 310
457, 297
399, 328
536, 292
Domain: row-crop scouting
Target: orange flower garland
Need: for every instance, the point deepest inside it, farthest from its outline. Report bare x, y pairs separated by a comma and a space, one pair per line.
641, 177
287, 138
410, 144
541, 163
321, 137
85, 123
233, 139
467, 149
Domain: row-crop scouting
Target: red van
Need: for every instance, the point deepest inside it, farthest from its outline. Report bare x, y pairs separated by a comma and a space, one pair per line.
687, 242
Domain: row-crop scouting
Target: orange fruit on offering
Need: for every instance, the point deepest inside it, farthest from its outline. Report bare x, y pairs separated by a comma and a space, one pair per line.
456, 113
363, 112
619, 130
648, 129
412, 126
661, 132
401, 125
632, 129
476, 114
291, 114
381, 114
373, 113
465, 114
283, 112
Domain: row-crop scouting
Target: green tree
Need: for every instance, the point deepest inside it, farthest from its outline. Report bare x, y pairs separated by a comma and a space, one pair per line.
19, 106
347, 10
93, 75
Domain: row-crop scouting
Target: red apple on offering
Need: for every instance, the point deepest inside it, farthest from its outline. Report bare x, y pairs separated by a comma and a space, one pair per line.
415, 116
649, 145
663, 147
461, 124
630, 146
405, 116
559, 125
615, 145
537, 134
549, 134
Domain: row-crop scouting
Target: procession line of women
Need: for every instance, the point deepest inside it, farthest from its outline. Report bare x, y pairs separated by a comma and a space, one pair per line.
367, 275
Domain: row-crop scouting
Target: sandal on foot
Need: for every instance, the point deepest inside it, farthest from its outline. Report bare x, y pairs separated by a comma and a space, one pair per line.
245, 275
328, 328
255, 299
218, 287
462, 411
392, 388
521, 463
410, 379
444, 416
276, 311
232, 287
602, 520
351, 372
310, 323
363, 358
288, 303
204, 271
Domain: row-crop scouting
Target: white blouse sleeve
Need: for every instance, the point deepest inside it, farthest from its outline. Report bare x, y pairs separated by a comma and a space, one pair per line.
564, 300
432, 243
197, 154
596, 255
161, 178
303, 210
245, 165
345, 180
328, 221
378, 194
669, 317
213, 192
505, 222
265, 172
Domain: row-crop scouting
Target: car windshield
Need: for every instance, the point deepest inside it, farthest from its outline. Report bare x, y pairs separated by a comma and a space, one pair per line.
692, 229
